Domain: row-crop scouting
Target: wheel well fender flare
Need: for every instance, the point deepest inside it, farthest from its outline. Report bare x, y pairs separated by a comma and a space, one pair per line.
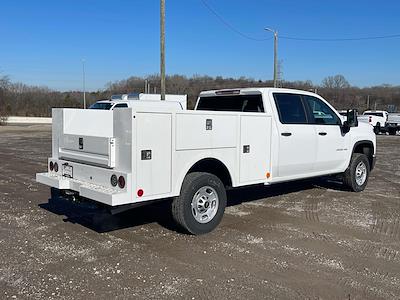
365, 144
204, 164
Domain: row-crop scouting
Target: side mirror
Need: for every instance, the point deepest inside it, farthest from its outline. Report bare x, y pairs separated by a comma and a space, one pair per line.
345, 127
352, 120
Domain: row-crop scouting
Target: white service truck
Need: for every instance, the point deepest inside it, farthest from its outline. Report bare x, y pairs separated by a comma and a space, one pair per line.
129, 157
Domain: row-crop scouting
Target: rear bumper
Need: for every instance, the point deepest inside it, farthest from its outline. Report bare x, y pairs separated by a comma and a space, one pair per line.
92, 191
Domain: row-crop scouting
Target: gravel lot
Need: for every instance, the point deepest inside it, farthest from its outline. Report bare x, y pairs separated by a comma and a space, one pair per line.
307, 239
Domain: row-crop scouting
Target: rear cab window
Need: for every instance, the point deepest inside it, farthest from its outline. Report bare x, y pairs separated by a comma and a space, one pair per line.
101, 105
239, 103
373, 114
121, 105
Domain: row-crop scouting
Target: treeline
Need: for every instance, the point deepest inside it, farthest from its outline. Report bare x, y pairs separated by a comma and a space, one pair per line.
24, 100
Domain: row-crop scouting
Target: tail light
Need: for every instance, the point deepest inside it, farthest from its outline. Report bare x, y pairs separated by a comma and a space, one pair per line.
56, 167
140, 193
121, 182
51, 166
370, 119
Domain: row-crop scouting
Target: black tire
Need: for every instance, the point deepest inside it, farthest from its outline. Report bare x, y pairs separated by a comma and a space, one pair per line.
377, 128
392, 131
182, 208
349, 176
55, 193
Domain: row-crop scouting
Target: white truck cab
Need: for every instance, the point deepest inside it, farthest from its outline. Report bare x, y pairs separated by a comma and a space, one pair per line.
126, 100
237, 137
376, 118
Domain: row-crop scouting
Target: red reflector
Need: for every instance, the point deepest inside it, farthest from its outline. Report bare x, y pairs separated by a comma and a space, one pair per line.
51, 166
140, 193
55, 167
121, 182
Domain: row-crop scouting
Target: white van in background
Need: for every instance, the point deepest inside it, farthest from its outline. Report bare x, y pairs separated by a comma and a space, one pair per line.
124, 100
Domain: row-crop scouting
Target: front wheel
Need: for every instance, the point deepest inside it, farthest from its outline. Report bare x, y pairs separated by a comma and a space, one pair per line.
201, 204
356, 175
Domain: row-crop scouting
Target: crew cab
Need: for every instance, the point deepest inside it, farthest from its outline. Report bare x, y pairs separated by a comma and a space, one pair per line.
376, 118
124, 158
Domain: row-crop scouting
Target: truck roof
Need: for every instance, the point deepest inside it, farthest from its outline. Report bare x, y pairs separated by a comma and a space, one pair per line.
375, 111
251, 90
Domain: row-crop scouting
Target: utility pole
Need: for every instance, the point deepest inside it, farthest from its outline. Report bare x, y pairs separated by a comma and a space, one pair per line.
367, 101
162, 48
275, 55
145, 86
84, 83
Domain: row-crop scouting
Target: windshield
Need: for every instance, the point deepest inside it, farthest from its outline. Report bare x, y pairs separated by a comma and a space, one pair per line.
374, 114
101, 105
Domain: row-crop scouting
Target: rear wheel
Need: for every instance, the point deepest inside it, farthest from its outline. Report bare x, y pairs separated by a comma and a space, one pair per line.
392, 131
356, 175
201, 204
377, 128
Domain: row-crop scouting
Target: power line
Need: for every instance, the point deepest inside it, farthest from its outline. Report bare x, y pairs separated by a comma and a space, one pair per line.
392, 36
232, 28
227, 24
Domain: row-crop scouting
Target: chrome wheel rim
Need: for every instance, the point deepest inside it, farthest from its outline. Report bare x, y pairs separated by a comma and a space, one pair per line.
361, 173
205, 204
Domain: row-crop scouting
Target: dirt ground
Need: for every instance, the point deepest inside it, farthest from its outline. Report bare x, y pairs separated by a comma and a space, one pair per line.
308, 239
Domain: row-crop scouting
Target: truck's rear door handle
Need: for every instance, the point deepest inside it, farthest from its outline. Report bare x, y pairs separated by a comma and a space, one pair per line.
286, 133
322, 133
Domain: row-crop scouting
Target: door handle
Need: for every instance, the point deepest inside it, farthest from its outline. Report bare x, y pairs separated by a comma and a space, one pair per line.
322, 133
286, 133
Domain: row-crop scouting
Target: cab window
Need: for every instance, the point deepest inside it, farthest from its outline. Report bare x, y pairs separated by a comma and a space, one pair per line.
121, 105
320, 113
240, 103
290, 108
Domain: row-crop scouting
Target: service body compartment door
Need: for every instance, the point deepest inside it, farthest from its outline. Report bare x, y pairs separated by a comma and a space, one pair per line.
255, 150
153, 156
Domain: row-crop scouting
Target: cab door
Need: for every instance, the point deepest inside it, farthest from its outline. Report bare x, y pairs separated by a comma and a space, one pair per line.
297, 138
332, 144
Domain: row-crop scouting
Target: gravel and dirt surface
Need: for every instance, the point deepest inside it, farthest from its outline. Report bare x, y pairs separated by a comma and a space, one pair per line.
308, 239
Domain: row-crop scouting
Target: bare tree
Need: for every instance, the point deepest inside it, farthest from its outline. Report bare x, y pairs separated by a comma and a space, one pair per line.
24, 100
335, 82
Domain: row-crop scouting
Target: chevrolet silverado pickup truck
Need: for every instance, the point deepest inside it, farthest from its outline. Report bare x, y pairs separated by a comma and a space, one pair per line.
129, 157
376, 118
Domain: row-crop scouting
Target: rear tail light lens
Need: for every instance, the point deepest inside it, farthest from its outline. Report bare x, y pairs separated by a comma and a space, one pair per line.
56, 167
51, 166
114, 180
370, 119
121, 182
